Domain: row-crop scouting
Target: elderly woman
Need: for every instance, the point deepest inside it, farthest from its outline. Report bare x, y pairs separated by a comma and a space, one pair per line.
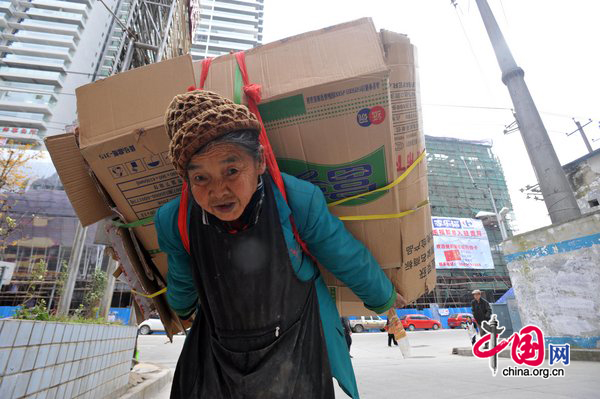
265, 324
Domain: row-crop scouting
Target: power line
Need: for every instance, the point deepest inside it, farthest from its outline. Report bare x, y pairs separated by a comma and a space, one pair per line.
479, 68
488, 107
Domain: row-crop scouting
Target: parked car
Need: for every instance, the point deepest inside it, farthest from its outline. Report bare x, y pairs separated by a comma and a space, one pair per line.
413, 321
363, 323
153, 324
459, 320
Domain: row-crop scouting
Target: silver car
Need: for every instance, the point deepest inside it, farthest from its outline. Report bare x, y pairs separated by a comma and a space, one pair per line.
363, 323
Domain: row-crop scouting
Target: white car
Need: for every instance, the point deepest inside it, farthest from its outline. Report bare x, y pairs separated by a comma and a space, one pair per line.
150, 325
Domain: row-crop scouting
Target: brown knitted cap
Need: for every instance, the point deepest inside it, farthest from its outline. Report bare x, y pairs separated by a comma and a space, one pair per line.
197, 117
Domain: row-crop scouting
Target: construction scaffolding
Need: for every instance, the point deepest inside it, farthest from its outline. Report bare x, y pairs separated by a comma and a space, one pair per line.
461, 174
144, 32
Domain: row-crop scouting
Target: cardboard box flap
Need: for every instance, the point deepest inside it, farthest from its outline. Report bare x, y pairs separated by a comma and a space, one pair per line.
315, 58
81, 189
134, 99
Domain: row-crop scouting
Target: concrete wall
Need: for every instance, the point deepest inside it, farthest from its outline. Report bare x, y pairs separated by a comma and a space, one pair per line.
64, 360
555, 272
584, 177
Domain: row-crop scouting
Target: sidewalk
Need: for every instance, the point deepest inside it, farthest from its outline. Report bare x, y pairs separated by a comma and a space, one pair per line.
147, 380
433, 371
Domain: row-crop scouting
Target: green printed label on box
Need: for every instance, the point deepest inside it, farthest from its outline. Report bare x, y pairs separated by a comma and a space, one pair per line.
343, 180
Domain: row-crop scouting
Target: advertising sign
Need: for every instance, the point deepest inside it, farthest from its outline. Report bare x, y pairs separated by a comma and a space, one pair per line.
6, 272
461, 243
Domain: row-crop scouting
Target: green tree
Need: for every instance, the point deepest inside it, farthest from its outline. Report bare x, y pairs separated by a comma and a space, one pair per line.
39, 310
13, 180
93, 297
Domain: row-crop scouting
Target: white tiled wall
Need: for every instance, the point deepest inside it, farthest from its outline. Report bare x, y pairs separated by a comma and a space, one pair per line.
47, 360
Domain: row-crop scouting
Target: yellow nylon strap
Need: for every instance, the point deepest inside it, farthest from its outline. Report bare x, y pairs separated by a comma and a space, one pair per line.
386, 216
157, 293
389, 186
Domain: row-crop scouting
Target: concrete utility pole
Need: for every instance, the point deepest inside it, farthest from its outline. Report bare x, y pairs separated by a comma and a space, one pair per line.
557, 193
73, 267
583, 136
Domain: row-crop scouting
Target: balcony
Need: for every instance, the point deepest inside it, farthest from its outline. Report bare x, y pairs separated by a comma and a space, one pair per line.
40, 38
44, 64
230, 16
21, 123
250, 8
250, 38
56, 5
51, 16
24, 107
36, 50
224, 45
6, 7
31, 76
47, 27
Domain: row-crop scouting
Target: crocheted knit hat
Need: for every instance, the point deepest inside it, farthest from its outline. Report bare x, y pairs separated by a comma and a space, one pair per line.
197, 117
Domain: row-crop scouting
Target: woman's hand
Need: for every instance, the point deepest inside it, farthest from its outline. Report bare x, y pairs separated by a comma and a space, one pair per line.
400, 301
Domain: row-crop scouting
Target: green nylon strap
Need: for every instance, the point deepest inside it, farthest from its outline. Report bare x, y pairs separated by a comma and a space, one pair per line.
137, 223
237, 88
154, 251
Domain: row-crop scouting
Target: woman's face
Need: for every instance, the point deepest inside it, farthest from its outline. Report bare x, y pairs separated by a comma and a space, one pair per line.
223, 180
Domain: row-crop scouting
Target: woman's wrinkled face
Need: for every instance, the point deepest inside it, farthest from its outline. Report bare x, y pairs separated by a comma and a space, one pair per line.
223, 180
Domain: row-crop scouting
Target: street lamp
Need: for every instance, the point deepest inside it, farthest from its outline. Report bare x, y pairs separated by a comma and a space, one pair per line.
499, 215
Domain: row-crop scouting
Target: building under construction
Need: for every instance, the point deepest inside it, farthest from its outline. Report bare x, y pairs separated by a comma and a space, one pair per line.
145, 32
461, 175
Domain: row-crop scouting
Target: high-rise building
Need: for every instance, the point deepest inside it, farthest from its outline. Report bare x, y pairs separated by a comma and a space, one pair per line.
461, 174
226, 26
48, 48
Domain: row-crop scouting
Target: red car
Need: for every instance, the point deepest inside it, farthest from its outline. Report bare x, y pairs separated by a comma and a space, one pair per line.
459, 320
411, 322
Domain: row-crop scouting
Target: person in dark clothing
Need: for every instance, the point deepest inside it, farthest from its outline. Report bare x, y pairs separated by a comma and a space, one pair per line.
482, 311
265, 325
347, 331
390, 336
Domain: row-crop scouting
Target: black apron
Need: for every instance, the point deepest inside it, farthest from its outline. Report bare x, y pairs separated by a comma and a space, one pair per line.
258, 333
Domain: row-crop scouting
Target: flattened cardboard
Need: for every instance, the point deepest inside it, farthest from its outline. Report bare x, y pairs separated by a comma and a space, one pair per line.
310, 59
417, 273
89, 204
131, 100
136, 172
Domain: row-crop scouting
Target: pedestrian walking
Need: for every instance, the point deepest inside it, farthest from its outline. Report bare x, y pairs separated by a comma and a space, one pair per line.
391, 337
482, 311
471, 330
347, 331
265, 325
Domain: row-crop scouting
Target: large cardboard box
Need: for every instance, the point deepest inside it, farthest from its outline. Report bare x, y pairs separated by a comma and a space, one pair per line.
340, 109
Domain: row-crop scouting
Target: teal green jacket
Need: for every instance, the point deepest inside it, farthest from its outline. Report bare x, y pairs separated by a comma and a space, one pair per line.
327, 240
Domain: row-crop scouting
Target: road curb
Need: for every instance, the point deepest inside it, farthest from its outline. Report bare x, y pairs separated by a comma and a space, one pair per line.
585, 355
153, 383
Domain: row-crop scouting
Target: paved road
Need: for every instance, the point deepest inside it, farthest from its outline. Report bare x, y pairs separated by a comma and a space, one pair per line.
431, 371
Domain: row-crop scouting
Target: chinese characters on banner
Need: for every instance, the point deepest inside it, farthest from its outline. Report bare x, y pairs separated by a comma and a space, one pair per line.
461, 243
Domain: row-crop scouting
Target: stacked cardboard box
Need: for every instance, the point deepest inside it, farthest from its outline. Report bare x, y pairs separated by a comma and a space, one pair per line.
340, 107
